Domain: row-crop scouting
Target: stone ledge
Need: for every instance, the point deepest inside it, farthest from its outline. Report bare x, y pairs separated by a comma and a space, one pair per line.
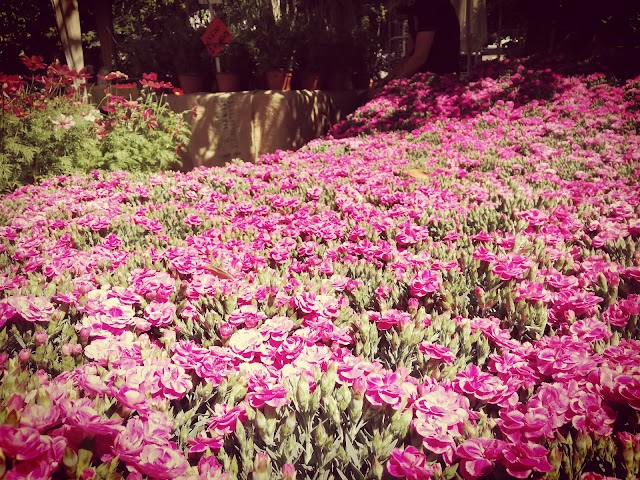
249, 124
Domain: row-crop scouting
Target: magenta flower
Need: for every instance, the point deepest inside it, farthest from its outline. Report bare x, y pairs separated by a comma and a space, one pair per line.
187, 354
437, 438
82, 415
246, 343
160, 314
31, 308
247, 315
210, 467
264, 391
589, 414
479, 456
201, 442
224, 419
485, 387
437, 352
511, 266
564, 359
409, 463
481, 253
152, 284
386, 389
590, 330
276, 329
516, 368
520, 459
25, 443
520, 423
424, 283
129, 442
40, 417
390, 318
161, 461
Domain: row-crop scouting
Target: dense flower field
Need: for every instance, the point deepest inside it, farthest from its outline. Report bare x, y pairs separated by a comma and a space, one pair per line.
457, 294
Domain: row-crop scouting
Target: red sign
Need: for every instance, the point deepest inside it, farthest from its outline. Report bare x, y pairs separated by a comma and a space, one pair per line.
216, 37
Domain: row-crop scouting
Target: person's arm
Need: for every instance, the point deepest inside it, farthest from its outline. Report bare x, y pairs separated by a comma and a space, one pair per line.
419, 55
411, 63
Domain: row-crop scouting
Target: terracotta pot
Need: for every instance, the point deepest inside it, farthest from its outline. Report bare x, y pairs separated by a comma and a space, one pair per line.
278, 79
229, 82
307, 81
191, 83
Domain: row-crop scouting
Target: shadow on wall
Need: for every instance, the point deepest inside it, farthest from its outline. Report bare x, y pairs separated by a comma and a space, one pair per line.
246, 125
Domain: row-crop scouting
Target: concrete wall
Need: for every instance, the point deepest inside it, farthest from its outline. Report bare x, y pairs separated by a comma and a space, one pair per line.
248, 124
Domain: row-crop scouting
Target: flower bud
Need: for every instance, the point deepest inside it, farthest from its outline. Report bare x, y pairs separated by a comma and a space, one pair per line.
88, 474
226, 330
261, 423
412, 304
84, 459
169, 336
302, 394
83, 334
66, 349
76, 349
288, 472
24, 356
355, 408
289, 425
328, 380
555, 457
583, 443
344, 397
377, 469
333, 410
320, 435
261, 468
315, 400
41, 337
359, 387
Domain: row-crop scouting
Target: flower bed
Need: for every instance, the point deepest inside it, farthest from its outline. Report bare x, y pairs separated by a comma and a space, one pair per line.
460, 297
49, 127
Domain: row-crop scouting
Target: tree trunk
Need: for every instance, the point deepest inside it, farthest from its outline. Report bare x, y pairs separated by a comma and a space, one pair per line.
103, 10
68, 21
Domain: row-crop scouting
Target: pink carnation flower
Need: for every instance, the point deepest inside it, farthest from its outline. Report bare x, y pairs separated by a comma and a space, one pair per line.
31, 308
247, 315
520, 459
266, 392
479, 456
437, 352
160, 314
409, 463
511, 266
224, 419
424, 283
386, 389
161, 461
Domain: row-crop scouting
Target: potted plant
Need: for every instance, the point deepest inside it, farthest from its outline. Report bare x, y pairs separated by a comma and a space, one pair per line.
235, 66
190, 58
312, 38
273, 48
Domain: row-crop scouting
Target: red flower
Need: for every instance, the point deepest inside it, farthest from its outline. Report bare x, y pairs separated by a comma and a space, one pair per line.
114, 76
126, 85
33, 62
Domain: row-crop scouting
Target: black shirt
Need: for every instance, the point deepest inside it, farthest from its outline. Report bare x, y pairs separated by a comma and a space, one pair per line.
437, 16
